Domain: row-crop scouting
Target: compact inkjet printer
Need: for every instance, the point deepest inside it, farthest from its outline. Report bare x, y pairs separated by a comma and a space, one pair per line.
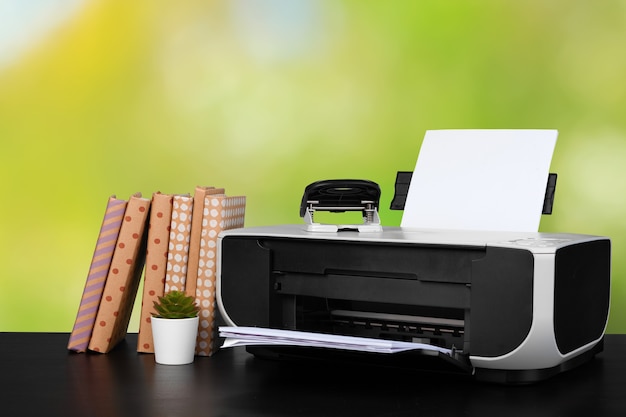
511, 307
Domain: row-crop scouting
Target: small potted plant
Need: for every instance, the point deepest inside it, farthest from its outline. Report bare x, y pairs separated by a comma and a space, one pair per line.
174, 328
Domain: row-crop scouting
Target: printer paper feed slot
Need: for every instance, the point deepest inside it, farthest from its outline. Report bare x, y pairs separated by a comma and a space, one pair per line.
418, 329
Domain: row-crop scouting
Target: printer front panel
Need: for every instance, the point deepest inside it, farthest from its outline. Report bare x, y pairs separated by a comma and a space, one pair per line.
502, 301
407, 292
244, 287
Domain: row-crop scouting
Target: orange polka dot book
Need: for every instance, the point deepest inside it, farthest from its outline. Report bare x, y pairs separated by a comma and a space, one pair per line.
171, 241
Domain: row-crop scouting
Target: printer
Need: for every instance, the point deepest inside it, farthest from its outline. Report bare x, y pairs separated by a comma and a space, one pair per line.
512, 307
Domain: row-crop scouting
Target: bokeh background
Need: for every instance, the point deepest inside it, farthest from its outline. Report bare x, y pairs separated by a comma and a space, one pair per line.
262, 97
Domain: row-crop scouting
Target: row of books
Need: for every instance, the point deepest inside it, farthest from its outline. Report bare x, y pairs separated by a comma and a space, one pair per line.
171, 241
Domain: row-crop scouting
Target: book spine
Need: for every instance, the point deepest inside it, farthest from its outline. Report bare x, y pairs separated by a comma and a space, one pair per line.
220, 213
123, 278
156, 263
178, 249
96, 277
196, 232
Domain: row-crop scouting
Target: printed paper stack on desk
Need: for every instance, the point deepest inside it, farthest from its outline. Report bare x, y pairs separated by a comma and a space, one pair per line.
244, 336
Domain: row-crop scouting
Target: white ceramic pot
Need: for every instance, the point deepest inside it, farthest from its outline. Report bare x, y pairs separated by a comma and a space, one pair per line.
174, 340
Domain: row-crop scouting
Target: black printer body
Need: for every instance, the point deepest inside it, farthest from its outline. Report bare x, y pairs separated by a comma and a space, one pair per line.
512, 307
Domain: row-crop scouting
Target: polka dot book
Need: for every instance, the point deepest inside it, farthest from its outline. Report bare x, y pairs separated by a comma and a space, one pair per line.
156, 263
178, 246
220, 213
196, 232
159, 254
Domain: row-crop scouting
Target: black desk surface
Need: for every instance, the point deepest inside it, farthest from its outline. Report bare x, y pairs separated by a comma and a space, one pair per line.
40, 377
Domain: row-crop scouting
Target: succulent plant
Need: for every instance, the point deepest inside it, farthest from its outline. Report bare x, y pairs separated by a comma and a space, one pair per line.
175, 305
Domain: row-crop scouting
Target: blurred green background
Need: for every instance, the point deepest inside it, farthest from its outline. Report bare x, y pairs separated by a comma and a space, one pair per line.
263, 97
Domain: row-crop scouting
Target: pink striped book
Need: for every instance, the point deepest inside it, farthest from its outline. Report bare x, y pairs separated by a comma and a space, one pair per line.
123, 279
98, 270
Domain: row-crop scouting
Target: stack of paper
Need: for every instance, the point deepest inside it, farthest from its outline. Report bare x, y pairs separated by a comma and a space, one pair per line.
242, 336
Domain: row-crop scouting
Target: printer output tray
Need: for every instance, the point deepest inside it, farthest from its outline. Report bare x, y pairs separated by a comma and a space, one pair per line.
415, 361
427, 361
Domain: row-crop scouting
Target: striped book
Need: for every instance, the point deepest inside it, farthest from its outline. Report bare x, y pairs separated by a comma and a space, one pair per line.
124, 277
96, 277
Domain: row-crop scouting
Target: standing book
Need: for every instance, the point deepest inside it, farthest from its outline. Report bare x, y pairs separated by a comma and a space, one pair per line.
156, 262
96, 278
123, 278
178, 247
196, 232
220, 213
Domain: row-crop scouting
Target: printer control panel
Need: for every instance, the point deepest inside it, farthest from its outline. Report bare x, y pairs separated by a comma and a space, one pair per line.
537, 243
